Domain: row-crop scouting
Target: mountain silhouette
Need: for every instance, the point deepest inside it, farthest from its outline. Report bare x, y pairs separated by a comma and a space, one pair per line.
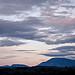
58, 62
14, 66
19, 65
6, 66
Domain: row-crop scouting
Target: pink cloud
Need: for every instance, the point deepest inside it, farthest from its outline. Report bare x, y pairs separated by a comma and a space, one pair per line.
7, 57
60, 21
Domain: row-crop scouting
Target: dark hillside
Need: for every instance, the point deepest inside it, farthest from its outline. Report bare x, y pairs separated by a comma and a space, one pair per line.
38, 71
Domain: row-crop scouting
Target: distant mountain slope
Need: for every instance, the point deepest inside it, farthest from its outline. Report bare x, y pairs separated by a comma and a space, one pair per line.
19, 65
14, 66
59, 62
6, 66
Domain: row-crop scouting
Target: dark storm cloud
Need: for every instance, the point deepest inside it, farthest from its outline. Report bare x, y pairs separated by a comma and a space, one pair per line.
7, 42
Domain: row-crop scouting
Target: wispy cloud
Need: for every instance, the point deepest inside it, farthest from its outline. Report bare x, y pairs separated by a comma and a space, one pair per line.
64, 48
69, 6
25, 50
8, 57
58, 54
63, 51
6, 42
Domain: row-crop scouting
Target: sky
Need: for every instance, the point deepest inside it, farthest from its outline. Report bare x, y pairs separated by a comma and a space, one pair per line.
34, 31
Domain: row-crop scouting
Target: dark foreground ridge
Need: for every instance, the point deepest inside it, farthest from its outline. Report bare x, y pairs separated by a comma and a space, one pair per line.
38, 71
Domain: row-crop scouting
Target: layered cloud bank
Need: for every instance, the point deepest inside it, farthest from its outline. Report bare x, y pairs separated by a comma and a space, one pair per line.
32, 15
49, 21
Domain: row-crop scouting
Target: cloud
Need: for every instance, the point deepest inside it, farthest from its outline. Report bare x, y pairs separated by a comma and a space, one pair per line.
63, 51
62, 40
8, 57
19, 29
6, 42
51, 7
63, 12
25, 29
25, 50
61, 27
68, 6
58, 54
73, 57
57, 34
16, 6
60, 21
63, 30
65, 48
11, 7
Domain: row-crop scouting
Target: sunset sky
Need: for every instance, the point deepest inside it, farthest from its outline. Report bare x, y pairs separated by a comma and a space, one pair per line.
34, 31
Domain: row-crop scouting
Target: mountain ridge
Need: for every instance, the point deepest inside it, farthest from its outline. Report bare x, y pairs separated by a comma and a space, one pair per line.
58, 62
14, 66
